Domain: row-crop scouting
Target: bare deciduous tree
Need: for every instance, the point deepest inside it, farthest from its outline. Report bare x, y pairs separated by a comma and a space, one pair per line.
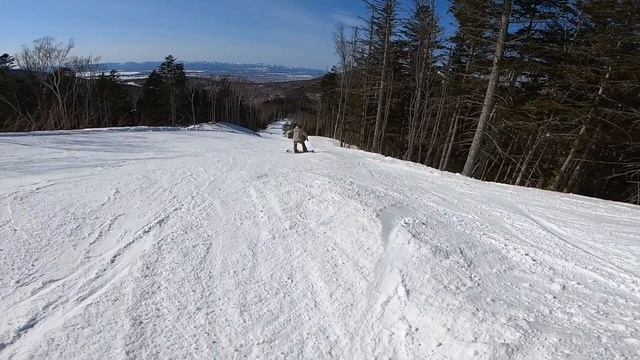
49, 62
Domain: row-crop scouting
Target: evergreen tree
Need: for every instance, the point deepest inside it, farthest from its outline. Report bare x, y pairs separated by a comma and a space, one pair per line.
153, 104
468, 67
490, 96
6, 62
113, 101
421, 34
383, 27
175, 79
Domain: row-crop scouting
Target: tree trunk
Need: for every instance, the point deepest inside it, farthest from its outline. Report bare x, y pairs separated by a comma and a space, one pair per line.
490, 98
193, 109
527, 159
568, 161
381, 89
318, 109
452, 139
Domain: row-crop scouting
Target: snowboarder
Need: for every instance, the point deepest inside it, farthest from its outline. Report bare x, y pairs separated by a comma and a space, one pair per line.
299, 137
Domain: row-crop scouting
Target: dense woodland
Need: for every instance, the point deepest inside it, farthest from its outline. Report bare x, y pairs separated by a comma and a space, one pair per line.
53, 89
538, 93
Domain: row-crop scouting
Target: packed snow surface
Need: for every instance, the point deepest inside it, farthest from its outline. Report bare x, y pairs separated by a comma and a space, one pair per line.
216, 243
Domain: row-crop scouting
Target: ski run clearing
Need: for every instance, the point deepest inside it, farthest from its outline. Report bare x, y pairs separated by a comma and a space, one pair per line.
214, 242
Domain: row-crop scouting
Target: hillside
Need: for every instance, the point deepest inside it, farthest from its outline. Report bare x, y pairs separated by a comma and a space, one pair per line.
216, 243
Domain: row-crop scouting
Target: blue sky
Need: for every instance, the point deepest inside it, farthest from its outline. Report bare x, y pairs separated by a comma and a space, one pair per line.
283, 32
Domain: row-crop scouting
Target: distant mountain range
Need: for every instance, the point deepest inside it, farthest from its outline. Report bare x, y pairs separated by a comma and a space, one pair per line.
249, 72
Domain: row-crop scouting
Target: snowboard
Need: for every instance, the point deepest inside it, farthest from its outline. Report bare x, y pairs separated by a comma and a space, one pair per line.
299, 152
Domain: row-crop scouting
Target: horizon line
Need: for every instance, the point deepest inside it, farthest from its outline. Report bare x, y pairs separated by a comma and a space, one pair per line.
214, 62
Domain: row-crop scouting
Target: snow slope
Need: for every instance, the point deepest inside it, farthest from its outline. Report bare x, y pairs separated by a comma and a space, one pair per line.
215, 243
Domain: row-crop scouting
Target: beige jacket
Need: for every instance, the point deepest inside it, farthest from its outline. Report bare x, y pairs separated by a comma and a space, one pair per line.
298, 135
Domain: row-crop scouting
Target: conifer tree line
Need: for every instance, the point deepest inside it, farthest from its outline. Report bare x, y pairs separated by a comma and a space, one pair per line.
46, 87
539, 93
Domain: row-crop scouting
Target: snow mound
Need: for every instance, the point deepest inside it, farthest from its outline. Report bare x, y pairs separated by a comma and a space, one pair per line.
207, 243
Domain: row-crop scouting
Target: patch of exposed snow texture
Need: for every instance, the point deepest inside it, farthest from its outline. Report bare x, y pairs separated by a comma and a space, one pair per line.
216, 243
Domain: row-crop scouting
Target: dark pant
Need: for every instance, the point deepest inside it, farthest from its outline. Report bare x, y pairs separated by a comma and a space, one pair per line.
295, 146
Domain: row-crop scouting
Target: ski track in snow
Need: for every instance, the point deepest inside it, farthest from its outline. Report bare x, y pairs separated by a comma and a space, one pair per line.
216, 243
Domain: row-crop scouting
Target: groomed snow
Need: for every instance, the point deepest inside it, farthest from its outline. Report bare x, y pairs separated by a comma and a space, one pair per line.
216, 243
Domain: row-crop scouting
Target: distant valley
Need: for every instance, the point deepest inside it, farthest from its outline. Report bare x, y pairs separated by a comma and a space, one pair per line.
259, 73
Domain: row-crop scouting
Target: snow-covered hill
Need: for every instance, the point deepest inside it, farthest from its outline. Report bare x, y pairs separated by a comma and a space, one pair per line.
216, 243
